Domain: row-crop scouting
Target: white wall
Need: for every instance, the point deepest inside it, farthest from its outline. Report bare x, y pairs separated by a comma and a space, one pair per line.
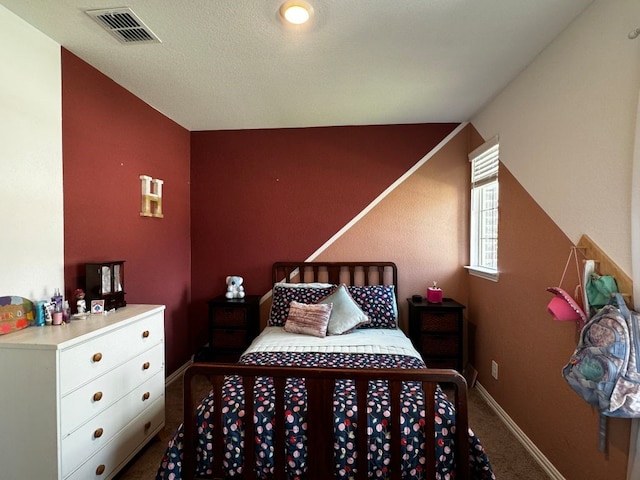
31, 209
567, 126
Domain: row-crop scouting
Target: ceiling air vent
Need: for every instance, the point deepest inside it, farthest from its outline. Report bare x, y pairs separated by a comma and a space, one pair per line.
123, 24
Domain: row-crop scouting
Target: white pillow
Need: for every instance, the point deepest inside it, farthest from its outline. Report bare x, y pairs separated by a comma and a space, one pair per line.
346, 315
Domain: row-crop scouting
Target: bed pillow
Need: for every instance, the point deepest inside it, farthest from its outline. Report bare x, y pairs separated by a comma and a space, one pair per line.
378, 302
308, 319
285, 293
346, 315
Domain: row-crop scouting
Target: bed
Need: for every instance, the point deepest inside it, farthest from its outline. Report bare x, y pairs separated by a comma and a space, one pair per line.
309, 384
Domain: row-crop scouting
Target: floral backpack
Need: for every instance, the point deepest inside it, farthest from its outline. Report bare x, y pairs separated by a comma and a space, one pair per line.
604, 369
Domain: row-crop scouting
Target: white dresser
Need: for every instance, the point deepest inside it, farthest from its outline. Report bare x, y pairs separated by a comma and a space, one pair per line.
78, 401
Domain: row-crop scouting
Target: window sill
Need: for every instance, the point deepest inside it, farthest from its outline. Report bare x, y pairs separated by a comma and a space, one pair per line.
485, 273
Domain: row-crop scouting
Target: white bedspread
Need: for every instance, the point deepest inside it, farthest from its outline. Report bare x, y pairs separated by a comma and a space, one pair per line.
368, 340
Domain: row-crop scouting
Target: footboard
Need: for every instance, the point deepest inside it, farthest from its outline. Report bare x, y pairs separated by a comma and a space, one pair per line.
320, 425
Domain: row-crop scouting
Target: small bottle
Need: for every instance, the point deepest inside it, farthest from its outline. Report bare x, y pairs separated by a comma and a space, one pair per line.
48, 314
57, 300
56, 317
41, 313
66, 312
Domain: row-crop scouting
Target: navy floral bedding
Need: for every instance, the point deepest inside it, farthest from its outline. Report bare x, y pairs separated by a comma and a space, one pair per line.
346, 418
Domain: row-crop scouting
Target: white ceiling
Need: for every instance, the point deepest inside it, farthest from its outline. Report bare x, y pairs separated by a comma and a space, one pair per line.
232, 64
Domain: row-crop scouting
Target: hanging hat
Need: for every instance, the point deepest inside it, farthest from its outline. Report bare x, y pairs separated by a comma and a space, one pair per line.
564, 308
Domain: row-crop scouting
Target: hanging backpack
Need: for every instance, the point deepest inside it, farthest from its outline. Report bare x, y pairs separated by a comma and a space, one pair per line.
604, 368
599, 289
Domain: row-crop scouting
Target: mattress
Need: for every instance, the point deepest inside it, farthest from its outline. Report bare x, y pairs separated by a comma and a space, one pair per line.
365, 341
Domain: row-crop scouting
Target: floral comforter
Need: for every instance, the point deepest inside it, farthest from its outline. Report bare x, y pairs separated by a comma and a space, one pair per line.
346, 419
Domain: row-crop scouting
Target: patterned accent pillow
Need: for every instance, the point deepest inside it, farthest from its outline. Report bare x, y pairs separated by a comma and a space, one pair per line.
308, 319
285, 293
378, 302
346, 315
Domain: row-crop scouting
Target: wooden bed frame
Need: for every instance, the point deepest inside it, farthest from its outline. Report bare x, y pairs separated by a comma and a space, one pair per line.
319, 384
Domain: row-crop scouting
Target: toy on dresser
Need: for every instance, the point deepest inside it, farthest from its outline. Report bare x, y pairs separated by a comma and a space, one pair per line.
16, 313
234, 287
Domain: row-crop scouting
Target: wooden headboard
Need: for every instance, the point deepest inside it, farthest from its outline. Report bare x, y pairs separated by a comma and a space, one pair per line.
350, 273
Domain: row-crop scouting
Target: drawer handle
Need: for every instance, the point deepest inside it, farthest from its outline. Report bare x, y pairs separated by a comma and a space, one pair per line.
98, 433
146, 365
97, 396
146, 396
147, 425
100, 470
145, 334
97, 357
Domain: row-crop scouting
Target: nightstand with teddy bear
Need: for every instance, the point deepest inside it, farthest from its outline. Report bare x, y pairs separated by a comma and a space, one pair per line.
234, 320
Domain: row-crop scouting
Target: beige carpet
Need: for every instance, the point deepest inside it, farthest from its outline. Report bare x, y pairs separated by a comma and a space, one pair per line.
509, 459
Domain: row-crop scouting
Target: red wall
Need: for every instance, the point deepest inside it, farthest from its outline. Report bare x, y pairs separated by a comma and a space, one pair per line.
110, 138
258, 196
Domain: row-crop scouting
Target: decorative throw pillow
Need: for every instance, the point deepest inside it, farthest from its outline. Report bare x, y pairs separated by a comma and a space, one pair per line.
308, 319
285, 293
378, 302
346, 315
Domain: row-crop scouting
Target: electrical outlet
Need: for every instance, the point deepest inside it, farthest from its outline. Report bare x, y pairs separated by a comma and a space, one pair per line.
494, 369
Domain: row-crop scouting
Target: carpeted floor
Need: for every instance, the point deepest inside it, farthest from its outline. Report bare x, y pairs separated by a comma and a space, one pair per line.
509, 459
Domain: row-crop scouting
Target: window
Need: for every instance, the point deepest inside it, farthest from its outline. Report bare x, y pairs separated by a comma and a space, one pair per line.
484, 210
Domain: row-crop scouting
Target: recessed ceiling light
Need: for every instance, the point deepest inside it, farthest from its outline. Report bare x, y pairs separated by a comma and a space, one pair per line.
296, 12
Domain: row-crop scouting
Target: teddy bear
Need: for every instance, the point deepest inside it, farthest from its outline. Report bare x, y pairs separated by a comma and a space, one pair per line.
234, 287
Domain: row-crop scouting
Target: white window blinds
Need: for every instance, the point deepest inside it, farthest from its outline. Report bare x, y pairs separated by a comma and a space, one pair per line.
484, 162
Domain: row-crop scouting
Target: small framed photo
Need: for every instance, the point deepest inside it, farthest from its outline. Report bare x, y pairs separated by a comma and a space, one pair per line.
97, 307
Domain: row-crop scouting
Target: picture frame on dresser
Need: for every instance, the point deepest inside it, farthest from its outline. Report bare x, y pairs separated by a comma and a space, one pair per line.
105, 281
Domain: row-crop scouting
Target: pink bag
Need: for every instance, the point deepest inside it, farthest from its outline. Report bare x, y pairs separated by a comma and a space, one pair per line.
562, 306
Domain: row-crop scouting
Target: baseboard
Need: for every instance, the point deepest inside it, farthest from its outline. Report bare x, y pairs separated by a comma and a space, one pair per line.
526, 442
177, 374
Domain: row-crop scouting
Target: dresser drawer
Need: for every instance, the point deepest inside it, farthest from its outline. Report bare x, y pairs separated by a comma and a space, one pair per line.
122, 446
439, 344
95, 397
229, 317
435, 321
100, 430
83, 362
228, 338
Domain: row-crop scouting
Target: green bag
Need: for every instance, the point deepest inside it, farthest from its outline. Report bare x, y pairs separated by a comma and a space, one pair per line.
599, 290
